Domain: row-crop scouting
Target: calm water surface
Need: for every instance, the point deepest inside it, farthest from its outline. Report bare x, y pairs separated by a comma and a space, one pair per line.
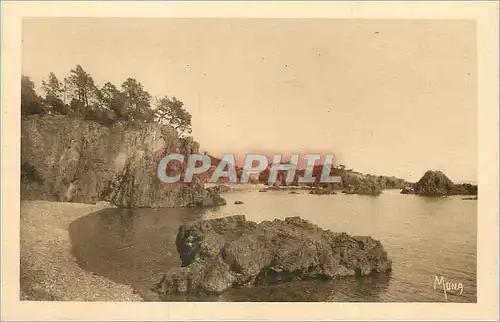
425, 238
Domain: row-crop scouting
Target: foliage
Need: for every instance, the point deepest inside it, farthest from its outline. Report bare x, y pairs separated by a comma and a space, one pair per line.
137, 101
31, 103
54, 91
52, 88
114, 100
79, 96
81, 87
172, 112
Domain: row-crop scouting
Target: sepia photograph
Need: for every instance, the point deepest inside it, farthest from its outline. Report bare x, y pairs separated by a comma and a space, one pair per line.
250, 159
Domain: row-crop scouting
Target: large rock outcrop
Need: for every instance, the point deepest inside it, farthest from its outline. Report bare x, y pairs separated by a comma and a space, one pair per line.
437, 184
218, 254
71, 159
364, 186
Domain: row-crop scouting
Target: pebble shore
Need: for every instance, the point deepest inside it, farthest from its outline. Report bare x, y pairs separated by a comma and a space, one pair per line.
48, 270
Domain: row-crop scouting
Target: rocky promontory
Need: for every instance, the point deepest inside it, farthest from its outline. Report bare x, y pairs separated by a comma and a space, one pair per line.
437, 184
221, 253
364, 186
77, 160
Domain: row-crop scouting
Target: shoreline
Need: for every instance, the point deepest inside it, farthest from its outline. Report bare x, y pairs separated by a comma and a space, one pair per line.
48, 269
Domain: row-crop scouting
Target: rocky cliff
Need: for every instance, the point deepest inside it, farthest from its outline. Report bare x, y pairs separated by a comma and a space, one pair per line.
217, 254
71, 159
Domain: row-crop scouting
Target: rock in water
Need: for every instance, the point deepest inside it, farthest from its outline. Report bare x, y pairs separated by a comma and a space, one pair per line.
221, 253
407, 191
322, 191
210, 198
465, 189
222, 188
434, 183
357, 183
365, 186
437, 184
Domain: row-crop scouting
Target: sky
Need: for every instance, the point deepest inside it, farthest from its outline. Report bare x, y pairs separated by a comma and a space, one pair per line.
387, 97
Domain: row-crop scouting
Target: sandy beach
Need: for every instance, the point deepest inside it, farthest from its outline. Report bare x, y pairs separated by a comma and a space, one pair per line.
48, 269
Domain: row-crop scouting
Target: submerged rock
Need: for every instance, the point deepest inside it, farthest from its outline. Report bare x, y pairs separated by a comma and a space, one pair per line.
221, 253
407, 191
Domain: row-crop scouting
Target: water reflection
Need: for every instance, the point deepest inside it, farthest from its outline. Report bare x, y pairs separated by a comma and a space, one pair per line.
127, 246
366, 289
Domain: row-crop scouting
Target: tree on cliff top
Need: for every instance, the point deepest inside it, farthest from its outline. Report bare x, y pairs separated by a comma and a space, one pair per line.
83, 87
172, 112
54, 91
52, 87
137, 101
31, 103
130, 103
113, 100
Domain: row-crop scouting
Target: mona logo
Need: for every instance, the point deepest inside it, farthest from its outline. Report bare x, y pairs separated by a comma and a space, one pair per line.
448, 287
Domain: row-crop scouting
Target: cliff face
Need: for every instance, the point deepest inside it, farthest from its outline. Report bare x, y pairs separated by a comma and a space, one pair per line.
81, 161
